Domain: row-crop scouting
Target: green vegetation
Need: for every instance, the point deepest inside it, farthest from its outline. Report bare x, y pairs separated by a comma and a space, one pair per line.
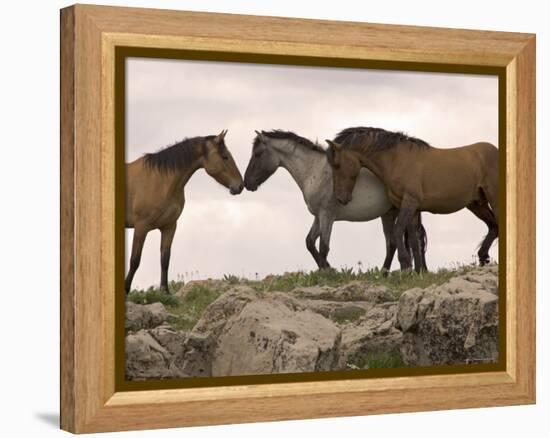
347, 314
231, 279
156, 295
191, 307
397, 281
378, 359
188, 308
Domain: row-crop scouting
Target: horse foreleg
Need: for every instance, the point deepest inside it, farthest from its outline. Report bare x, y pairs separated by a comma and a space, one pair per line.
167, 235
311, 239
325, 224
414, 243
406, 212
137, 246
423, 238
388, 222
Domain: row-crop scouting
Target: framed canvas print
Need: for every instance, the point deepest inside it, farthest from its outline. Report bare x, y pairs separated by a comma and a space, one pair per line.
274, 218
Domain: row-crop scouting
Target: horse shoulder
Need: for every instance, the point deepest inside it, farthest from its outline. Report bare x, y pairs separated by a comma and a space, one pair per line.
317, 191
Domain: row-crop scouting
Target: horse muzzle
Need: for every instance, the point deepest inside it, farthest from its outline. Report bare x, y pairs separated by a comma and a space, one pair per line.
235, 190
344, 198
250, 187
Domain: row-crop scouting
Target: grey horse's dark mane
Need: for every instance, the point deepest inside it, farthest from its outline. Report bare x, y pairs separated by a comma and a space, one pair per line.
379, 139
279, 134
178, 155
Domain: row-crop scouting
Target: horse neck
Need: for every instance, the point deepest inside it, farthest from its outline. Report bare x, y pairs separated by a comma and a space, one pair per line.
378, 162
184, 173
302, 163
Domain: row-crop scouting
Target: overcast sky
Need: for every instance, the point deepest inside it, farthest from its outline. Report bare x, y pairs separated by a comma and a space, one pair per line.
264, 232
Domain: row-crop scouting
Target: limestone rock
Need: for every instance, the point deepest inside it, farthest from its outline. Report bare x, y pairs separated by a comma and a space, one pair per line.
268, 337
454, 323
144, 316
147, 359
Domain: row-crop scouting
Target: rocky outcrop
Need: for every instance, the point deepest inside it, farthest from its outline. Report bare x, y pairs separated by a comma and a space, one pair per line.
147, 359
276, 334
246, 332
454, 323
139, 316
373, 333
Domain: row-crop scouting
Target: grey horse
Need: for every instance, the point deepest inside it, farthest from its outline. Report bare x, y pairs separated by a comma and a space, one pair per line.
307, 164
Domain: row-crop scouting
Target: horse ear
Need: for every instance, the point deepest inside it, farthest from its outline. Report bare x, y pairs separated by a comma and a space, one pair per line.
333, 157
221, 136
260, 135
332, 144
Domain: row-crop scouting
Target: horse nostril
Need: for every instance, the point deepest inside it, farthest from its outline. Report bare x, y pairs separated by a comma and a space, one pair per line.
344, 199
235, 190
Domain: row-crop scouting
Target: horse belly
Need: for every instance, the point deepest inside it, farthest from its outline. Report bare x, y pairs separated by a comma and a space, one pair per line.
449, 202
369, 200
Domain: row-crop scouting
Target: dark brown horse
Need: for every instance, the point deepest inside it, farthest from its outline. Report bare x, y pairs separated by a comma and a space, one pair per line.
155, 191
419, 177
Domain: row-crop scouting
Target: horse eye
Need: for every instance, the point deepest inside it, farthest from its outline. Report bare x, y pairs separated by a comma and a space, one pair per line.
225, 157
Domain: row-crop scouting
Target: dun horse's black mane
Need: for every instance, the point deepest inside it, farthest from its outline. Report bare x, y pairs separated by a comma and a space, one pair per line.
172, 158
380, 139
289, 135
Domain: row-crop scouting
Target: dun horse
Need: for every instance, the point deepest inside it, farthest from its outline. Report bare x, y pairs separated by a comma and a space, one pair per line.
155, 191
307, 164
419, 177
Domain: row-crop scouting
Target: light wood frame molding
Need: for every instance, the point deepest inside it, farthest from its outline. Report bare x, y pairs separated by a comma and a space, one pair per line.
89, 35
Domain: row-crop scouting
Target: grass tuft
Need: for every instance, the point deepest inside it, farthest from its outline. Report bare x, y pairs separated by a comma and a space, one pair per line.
188, 309
396, 281
191, 307
377, 360
152, 295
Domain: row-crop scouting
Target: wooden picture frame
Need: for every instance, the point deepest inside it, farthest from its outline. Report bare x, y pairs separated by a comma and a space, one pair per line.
90, 36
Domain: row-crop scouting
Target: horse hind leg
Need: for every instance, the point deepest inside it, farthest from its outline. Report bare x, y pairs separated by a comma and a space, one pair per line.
484, 212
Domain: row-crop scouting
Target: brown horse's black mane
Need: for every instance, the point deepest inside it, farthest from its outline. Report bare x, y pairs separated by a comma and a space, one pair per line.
177, 156
379, 139
289, 135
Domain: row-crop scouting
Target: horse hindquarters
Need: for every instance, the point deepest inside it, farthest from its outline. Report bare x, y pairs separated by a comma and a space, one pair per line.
490, 184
